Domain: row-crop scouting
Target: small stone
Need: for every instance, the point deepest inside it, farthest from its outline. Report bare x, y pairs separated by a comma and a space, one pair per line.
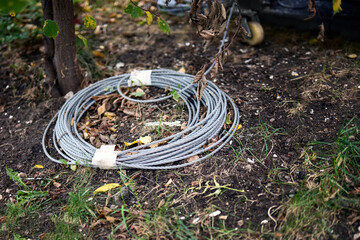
275, 155
272, 120
214, 214
252, 161
311, 111
11, 116
195, 220
356, 236
240, 223
119, 65
271, 77
294, 74
69, 95
263, 222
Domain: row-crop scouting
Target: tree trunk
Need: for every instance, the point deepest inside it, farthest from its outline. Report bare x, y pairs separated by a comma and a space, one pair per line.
61, 67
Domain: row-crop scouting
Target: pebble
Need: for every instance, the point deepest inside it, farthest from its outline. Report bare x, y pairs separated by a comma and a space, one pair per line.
311, 111
195, 220
11, 116
119, 65
294, 74
214, 214
263, 222
271, 77
252, 161
275, 155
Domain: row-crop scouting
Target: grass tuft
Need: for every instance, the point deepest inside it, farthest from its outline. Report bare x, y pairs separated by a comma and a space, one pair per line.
331, 187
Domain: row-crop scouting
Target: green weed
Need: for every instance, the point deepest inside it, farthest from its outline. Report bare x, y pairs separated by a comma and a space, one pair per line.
330, 189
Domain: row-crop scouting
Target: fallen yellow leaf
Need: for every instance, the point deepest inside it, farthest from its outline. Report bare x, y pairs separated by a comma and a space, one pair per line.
352, 55
98, 54
132, 143
239, 127
106, 187
73, 167
145, 140
102, 109
38, 166
110, 115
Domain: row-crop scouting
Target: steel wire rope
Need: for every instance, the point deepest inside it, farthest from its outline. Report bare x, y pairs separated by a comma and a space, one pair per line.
197, 139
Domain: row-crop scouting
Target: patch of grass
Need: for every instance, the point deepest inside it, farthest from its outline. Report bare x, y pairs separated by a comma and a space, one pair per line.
23, 211
78, 211
331, 188
261, 136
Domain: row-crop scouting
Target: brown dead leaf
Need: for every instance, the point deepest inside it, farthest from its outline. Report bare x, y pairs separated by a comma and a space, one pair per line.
102, 109
56, 184
207, 34
112, 219
312, 9
193, 158
2, 108
104, 138
130, 112
183, 126
321, 35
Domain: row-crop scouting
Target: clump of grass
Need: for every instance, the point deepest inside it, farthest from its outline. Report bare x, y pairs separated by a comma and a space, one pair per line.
331, 188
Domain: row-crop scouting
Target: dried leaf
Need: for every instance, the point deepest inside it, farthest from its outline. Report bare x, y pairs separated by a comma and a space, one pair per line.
207, 34
102, 109
107, 187
199, 74
223, 11
128, 111
215, 69
168, 182
321, 35
145, 140
104, 138
112, 219
312, 9
193, 158
56, 184
110, 115
98, 54
38, 166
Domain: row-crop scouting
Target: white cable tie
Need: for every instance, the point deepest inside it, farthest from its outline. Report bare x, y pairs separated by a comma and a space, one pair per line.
140, 78
105, 157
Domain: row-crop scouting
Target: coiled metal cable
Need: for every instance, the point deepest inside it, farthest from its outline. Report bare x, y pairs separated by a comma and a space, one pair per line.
180, 146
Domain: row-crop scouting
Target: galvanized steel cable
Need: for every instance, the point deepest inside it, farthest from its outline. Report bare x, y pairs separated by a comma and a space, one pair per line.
203, 136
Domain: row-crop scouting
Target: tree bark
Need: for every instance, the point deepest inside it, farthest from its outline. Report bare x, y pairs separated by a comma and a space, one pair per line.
61, 67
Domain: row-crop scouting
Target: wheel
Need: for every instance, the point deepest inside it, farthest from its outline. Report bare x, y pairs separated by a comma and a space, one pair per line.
257, 34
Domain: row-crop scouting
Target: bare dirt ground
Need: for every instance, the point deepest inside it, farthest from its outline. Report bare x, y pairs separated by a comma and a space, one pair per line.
289, 91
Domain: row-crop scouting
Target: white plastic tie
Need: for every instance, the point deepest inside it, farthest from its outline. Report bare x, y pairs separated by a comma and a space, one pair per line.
140, 78
105, 157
